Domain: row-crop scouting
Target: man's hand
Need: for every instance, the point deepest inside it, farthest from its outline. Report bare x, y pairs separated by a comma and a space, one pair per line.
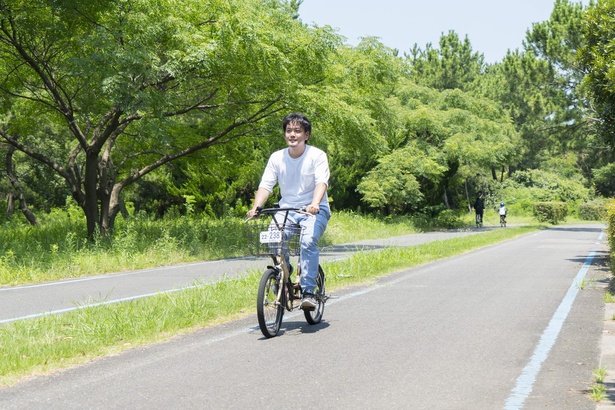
252, 213
312, 209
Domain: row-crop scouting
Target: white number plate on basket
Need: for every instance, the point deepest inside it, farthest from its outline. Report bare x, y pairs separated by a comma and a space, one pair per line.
273, 236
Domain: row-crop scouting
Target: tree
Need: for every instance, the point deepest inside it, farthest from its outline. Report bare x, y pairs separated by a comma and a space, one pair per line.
453, 65
394, 185
352, 117
444, 133
538, 86
104, 93
596, 57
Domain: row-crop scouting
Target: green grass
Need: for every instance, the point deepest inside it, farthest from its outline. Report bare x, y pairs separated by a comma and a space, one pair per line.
51, 342
598, 390
599, 374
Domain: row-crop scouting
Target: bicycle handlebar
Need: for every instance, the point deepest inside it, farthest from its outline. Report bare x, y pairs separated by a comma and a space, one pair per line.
272, 211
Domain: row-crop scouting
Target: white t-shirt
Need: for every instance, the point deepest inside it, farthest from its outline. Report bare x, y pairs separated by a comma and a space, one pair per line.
502, 210
297, 177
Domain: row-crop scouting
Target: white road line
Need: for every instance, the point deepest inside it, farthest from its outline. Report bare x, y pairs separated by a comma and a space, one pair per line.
525, 381
116, 275
107, 302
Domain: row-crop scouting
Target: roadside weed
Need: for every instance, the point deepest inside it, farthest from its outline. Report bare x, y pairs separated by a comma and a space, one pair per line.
597, 390
599, 374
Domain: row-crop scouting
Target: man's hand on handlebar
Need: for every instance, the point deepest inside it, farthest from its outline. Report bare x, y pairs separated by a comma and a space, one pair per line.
254, 212
312, 209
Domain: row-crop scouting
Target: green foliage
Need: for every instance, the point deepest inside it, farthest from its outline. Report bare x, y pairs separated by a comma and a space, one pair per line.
551, 212
440, 133
448, 219
593, 210
139, 84
596, 57
353, 120
523, 188
539, 87
610, 228
604, 179
548, 186
176, 106
393, 186
452, 66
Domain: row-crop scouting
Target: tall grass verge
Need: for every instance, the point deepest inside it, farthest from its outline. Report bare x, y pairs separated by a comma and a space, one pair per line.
52, 342
59, 249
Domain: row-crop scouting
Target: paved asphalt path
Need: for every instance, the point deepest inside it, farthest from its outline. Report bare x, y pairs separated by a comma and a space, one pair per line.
514, 325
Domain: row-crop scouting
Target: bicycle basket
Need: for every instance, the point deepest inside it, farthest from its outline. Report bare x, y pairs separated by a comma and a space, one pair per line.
277, 239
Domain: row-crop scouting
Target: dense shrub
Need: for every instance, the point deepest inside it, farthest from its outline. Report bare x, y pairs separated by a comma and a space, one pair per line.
551, 212
448, 219
547, 186
593, 211
524, 188
610, 229
604, 178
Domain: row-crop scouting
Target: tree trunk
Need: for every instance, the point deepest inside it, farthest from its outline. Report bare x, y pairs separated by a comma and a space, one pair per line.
445, 197
123, 209
90, 206
26, 211
112, 208
468, 196
23, 206
10, 205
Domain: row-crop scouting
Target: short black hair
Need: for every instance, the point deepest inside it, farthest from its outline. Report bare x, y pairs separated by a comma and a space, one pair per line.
299, 119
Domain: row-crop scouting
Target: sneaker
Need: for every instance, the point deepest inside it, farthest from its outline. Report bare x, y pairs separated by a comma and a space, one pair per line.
308, 302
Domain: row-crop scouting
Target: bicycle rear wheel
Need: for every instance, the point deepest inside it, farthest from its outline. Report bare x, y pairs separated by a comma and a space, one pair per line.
314, 317
268, 310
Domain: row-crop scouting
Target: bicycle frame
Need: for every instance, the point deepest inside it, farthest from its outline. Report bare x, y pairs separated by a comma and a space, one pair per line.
278, 259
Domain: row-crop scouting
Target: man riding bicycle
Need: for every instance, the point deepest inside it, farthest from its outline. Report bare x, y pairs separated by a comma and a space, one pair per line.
502, 211
302, 171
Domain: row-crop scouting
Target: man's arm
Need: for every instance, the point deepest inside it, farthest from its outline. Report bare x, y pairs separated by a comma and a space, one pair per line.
259, 200
319, 193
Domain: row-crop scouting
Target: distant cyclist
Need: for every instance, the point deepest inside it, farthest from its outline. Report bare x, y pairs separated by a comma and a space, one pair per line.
502, 211
479, 208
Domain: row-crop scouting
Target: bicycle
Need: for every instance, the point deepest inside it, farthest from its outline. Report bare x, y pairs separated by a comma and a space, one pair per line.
479, 220
277, 290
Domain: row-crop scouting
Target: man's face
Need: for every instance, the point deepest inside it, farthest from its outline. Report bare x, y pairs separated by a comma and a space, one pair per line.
295, 135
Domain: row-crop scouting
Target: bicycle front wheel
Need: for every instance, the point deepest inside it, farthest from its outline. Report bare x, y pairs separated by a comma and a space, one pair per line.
314, 317
268, 310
